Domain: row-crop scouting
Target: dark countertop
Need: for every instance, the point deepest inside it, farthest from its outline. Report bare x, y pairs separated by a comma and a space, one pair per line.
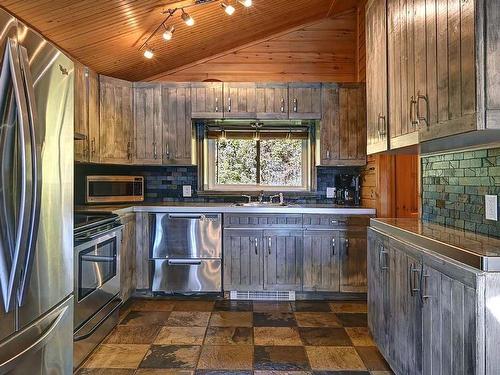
477, 250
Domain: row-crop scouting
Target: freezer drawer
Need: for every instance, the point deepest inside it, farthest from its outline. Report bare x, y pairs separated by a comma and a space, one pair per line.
187, 275
184, 236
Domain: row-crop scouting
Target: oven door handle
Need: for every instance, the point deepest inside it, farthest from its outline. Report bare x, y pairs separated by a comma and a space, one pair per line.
99, 258
119, 303
184, 262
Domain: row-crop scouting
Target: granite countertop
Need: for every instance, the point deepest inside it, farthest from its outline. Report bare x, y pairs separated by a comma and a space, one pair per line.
227, 208
475, 249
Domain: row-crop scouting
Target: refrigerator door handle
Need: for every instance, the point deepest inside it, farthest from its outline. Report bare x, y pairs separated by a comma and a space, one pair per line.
36, 180
12, 352
12, 260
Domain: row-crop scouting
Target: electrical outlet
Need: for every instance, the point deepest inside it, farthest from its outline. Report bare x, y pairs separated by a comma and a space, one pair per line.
186, 191
330, 192
491, 207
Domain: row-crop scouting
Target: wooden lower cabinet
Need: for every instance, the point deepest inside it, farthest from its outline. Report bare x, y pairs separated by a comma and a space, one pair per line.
142, 251
427, 314
321, 261
352, 248
127, 257
243, 267
283, 259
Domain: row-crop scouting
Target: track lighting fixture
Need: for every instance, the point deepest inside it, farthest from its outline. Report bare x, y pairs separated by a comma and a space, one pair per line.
229, 9
187, 18
169, 33
148, 53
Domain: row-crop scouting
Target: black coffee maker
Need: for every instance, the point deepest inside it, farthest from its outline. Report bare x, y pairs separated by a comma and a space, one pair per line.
348, 190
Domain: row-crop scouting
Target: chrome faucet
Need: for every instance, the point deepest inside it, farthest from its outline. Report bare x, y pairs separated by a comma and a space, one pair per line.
261, 196
280, 196
249, 197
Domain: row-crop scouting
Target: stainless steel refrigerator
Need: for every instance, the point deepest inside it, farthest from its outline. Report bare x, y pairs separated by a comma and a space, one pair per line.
36, 203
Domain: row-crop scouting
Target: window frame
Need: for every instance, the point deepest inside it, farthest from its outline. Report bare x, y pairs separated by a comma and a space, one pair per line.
209, 168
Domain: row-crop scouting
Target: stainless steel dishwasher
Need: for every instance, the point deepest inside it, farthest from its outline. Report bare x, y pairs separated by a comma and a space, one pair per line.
186, 252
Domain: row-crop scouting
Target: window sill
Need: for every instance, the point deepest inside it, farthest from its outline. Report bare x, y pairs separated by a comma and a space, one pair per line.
254, 193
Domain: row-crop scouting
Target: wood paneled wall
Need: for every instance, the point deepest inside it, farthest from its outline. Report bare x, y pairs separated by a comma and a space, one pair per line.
390, 185
361, 40
325, 51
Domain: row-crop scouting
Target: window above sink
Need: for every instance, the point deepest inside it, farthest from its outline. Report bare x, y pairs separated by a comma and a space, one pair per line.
258, 157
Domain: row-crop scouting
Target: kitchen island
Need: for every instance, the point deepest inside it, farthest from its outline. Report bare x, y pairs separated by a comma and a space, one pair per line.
434, 297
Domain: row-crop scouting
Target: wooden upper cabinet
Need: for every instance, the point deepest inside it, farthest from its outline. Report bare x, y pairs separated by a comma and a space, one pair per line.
86, 114
401, 72
272, 101
116, 121
147, 123
240, 100
207, 100
304, 101
82, 150
177, 124
343, 125
376, 76
449, 106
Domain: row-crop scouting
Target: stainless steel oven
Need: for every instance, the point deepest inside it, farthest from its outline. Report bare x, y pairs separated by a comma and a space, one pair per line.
186, 252
97, 281
114, 189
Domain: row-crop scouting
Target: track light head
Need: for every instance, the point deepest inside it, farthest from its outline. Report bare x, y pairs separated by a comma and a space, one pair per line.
169, 33
246, 3
229, 9
187, 18
148, 53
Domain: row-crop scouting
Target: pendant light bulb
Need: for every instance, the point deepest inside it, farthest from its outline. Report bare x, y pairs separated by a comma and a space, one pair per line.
148, 53
187, 19
169, 33
229, 9
246, 3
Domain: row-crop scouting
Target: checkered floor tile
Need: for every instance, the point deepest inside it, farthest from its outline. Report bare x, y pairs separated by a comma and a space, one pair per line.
198, 337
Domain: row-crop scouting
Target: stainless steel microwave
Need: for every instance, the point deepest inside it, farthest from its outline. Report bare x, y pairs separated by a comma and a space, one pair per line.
114, 189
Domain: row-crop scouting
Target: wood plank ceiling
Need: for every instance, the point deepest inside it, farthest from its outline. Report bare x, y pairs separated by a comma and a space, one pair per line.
106, 34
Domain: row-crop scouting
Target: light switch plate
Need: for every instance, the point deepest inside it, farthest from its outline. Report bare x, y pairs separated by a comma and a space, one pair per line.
186, 191
330, 192
491, 207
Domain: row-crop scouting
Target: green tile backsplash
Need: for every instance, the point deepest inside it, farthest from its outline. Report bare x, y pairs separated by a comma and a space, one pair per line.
454, 186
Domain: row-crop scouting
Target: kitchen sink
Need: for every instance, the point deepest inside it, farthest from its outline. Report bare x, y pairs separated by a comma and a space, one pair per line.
263, 204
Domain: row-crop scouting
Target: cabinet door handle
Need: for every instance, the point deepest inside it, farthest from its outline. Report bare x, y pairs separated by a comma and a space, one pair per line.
93, 146
424, 281
295, 105
269, 245
381, 129
333, 245
328, 154
256, 246
229, 105
129, 150
155, 152
282, 108
426, 117
383, 253
414, 276
167, 151
216, 104
413, 120
346, 241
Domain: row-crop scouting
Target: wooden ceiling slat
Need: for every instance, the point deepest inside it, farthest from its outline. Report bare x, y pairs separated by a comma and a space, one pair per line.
105, 35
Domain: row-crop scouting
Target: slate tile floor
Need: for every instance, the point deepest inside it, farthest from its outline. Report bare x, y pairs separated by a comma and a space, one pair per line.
200, 337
